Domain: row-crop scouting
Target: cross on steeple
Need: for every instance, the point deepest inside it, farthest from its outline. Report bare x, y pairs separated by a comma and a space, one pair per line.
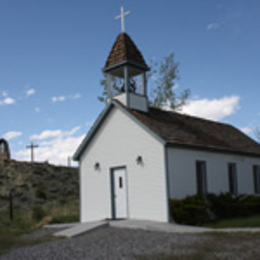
122, 17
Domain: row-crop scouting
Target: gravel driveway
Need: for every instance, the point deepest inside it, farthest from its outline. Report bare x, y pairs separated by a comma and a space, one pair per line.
118, 243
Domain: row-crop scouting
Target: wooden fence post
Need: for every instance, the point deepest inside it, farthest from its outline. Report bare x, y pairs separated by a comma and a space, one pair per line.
11, 205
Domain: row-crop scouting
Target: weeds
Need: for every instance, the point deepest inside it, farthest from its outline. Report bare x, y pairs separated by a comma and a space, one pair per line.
10, 231
25, 222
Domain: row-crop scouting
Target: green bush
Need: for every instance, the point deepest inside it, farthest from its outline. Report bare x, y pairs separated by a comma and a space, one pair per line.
226, 205
223, 205
197, 210
192, 210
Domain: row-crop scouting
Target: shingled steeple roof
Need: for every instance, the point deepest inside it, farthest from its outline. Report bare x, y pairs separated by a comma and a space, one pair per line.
125, 51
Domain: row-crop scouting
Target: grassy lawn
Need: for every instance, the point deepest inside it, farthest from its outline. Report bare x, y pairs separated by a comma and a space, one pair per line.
248, 222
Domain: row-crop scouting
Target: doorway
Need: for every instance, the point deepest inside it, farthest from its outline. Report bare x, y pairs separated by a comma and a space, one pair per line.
119, 193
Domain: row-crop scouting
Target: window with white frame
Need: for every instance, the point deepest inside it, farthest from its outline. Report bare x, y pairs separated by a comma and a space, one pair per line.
256, 176
201, 177
232, 178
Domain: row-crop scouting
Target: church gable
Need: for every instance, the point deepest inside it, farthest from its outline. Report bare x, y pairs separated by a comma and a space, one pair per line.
100, 121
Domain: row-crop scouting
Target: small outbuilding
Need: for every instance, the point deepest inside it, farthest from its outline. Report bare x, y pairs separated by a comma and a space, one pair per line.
135, 158
4, 151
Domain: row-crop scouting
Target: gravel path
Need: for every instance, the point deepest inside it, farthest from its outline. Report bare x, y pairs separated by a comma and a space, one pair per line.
42, 233
117, 243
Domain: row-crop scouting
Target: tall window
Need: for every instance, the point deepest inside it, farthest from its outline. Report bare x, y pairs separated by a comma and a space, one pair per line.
201, 177
232, 178
256, 175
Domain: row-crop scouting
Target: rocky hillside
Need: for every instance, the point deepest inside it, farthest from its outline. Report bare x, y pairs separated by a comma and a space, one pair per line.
37, 184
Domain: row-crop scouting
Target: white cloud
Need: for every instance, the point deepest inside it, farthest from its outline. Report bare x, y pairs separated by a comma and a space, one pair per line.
213, 26
7, 101
63, 98
213, 109
37, 109
76, 96
58, 99
55, 150
247, 130
12, 134
30, 92
47, 134
54, 134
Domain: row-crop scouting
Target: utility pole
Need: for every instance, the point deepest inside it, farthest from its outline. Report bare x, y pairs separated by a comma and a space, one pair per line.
69, 161
32, 146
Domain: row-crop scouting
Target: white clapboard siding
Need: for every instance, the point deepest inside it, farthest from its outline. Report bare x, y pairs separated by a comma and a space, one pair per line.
182, 171
118, 142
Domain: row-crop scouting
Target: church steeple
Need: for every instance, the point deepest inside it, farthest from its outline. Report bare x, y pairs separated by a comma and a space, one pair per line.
125, 61
124, 50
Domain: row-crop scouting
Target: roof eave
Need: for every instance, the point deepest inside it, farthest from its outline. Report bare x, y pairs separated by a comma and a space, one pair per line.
211, 149
123, 63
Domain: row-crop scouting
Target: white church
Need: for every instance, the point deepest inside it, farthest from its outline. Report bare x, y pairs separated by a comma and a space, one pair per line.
135, 158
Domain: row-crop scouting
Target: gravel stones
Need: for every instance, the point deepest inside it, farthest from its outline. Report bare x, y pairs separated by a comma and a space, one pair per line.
105, 243
126, 244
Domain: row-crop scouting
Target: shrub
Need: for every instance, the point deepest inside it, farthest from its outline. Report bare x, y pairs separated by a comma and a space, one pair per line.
197, 210
192, 210
223, 205
226, 205
40, 194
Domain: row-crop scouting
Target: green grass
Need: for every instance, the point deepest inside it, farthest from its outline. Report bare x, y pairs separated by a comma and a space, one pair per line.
248, 222
10, 231
24, 222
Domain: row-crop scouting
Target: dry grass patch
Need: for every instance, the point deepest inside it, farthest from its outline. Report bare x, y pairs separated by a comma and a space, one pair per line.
243, 246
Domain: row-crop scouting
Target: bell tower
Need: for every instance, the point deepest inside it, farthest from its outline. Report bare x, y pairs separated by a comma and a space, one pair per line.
126, 64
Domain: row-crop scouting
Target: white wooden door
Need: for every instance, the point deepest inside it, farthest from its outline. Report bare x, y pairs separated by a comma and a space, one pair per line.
120, 193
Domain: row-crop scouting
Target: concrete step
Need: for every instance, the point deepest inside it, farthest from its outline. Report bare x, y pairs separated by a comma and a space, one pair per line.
80, 229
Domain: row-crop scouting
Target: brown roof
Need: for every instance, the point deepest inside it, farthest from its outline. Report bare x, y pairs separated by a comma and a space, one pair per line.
123, 50
179, 129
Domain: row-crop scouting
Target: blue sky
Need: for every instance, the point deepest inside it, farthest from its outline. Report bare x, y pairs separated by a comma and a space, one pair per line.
52, 53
